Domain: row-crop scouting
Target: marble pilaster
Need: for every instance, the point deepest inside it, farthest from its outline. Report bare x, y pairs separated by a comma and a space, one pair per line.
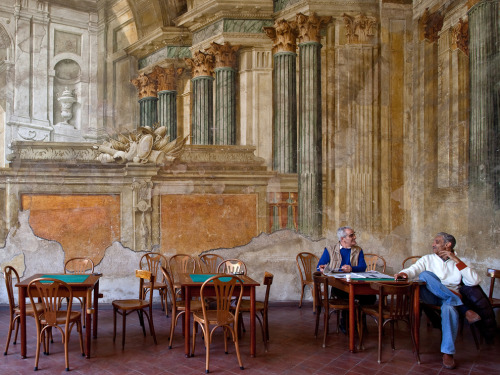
309, 146
202, 65
284, 35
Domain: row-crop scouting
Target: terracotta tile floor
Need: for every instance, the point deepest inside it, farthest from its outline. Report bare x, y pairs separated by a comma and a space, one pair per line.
292, 350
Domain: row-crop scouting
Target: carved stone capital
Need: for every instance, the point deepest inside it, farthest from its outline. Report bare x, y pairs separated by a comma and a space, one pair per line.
225, 55
460, 36
309, 27
284, 36
360, 28
166, 77
430, 24
146, 85
202, 64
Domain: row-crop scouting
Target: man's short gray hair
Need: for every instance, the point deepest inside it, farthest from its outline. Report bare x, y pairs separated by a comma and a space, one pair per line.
447, 238
341, 233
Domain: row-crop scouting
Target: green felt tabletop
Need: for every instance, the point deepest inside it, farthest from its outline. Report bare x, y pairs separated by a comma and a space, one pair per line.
368, 279
68, 278
201, 278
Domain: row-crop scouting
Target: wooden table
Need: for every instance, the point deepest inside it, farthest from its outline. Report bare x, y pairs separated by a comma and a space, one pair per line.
192, 289
362, 287
80, 289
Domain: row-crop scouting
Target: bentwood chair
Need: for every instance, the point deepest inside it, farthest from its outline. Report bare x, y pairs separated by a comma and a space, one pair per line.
329, 305
141, 305
178, 305
493, 274
233, 267
80, 266
9, 273
261, 307
210, 262
153, 262
375, 262
226, 286
306, 263
50, 315
395, 303
410, 260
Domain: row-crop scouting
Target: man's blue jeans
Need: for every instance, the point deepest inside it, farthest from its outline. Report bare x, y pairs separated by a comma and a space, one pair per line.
435, 293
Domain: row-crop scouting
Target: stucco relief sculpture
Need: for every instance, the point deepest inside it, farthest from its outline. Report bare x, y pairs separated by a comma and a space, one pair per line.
145, 85
460, 36
309, 27
202, 64
284, 36
66, 99
166, 78
143, 145
224, 54
359, 28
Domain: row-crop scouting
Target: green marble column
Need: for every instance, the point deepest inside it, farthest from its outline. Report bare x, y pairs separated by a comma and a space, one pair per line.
167, 111
202, 112
148, 111
309, 146
484, 66
285, 112
225, 106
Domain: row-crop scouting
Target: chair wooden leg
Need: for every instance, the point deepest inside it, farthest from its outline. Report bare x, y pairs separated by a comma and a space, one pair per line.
173, 322
38, 343
301, 295
151, 326
114, 324
474, 335
225, 339
314, 301
207, 336
237, 347
80, 333
360, 330
318, 312
194, 339
11, 328
380, 328
392, 335
66, 355
326, 323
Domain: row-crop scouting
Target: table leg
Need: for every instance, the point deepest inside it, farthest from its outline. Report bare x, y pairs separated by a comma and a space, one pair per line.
352, 317
96, 308
416, 317
252, 322
187, 321
22, 320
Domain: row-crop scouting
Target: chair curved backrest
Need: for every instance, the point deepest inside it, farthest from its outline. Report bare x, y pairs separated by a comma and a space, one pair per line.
225, 288
410, 260
153, 262
306, 263
169, 282
210, 262
268, 280
9, 273
181, 263
375, 262
395, 301
232, 266
145, 276
79, 266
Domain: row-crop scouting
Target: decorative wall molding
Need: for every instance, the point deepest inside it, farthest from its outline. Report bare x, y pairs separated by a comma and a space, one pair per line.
460, 36
359, 28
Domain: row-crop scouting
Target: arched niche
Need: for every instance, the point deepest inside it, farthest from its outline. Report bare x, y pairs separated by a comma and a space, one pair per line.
67, 80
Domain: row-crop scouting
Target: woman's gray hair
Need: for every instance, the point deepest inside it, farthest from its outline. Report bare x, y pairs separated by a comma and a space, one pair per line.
447, 238
341, 232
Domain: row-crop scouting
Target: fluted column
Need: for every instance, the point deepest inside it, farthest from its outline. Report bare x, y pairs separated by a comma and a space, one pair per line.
167, 97
202, 65
309, 146
484, 65
148, 102
225, 93
284, 35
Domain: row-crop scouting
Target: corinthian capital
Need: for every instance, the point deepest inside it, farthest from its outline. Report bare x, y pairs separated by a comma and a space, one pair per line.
309, 27
166, 78
460, 36
145, 84
225, 55
359, 28
202, 64
430, 25
283, 35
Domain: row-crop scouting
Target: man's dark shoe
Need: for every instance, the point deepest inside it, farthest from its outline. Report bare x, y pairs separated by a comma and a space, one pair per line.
472, 316
448, 361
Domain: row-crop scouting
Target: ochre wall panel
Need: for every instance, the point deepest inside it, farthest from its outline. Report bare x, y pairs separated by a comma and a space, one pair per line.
191, 224
84, 225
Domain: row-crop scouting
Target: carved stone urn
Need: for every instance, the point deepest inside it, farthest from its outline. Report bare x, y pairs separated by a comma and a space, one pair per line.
66, 100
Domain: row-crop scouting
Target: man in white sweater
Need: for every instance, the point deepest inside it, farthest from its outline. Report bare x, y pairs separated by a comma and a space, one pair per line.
443, 272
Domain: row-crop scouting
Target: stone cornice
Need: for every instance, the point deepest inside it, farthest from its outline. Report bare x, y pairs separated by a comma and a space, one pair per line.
158, 39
